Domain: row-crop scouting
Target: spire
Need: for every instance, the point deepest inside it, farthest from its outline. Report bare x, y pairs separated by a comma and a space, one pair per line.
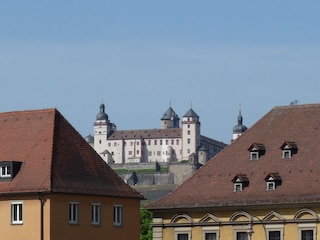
240, 119
239, 128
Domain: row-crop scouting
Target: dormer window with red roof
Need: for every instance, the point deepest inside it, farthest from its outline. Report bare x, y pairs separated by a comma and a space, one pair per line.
273, 180
256, 151
288, 149
240, 181
8, 170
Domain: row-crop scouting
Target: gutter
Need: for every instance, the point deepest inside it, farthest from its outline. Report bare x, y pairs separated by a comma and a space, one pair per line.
42, 202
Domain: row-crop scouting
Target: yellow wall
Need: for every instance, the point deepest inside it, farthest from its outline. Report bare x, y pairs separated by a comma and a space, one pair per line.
56, 218
288, 220
30, 229
61, 229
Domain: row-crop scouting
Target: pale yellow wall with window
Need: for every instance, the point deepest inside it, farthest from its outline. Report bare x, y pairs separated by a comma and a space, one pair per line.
289, 225
56, 224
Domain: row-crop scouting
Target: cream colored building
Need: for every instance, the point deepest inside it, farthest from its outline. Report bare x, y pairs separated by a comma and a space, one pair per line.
263, 186
54, 186
170, 143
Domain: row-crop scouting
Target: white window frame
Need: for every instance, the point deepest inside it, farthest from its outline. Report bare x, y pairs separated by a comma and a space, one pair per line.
242, 228
307, 226
271, 185
286, 153
95, 213
272, 228
254, 155
74, 212
210, 229
117, 215
17, 212
182, 230
237, 187
5, 171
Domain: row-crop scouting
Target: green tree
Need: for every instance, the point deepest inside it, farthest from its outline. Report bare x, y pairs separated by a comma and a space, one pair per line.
145, 224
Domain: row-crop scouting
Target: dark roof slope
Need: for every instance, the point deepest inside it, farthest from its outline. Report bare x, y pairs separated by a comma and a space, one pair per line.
212, 184
54, 156
146, 134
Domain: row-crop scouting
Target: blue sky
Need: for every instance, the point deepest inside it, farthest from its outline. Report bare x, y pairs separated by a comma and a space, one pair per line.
138, 56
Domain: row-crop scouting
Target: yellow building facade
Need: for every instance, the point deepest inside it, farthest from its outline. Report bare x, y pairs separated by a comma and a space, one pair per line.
263, 186
54, 186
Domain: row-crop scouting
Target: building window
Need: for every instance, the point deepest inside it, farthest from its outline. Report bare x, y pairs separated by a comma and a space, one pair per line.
138, 143
99, 141
182, 233
109, 144
167, 142
271, 186
177, 141
117, 215
307, 235
16, 213
5, 171
286, 154
210, 236
307, 231
242, 236
73, 212
254, 155
256, 151
188, 140
273, 180
237, 187
189, 132
138, 152
183, 236
274, 232
240, 181
172, 142
160, 142
274, 235
95, 213
288, 149
130, 153
149, 142
150, 153
158, 153
188, 151
131, 143
188, 125
115, 144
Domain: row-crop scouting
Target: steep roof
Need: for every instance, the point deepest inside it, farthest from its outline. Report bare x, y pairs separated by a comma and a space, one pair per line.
191, 113
55, 158
212, 186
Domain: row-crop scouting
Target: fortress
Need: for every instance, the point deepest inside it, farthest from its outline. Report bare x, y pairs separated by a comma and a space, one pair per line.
180, 150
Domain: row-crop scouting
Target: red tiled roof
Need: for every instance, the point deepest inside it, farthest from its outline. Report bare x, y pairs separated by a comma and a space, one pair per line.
211, 185
55, 157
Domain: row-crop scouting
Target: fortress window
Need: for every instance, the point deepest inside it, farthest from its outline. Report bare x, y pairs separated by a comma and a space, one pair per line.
177, 141
172, 142
188, 140
160, 142
155, 142
149, 142
167, 142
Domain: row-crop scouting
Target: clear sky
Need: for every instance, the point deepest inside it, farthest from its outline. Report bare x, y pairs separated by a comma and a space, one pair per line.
138, 56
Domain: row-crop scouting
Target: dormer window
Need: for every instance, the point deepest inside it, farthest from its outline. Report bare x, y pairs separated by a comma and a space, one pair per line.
273, 180
288, 149
240, 181
8, 170
256, 151
5, 171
